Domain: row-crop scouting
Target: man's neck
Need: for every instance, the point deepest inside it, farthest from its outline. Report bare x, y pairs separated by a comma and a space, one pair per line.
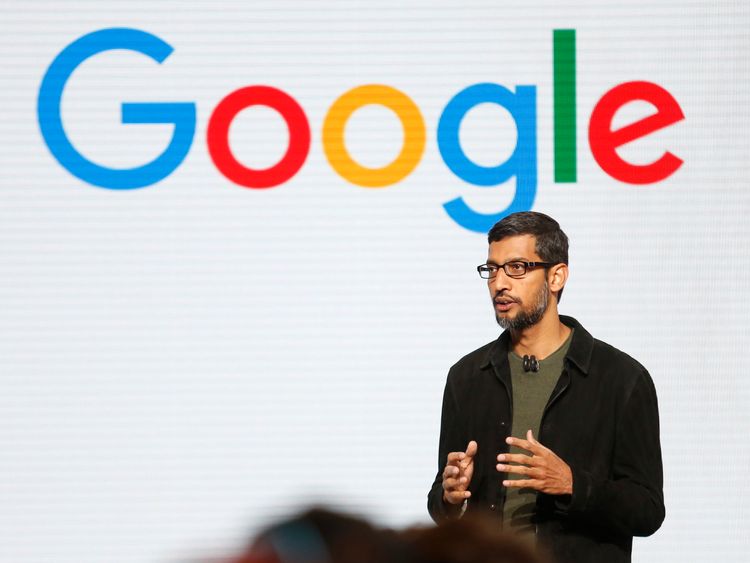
542, 339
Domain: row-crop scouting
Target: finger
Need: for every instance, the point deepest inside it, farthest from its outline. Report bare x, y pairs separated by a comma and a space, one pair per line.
523, 444
471, 449
455, 457
518, 470
451, 485
523, 483
457, 481
530, 437
456, 497
518, 458
450, 471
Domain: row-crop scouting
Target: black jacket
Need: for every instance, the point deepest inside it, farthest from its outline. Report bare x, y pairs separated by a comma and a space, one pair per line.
602, 419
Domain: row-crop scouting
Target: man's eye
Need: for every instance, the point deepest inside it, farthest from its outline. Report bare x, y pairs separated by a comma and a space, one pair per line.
517, 267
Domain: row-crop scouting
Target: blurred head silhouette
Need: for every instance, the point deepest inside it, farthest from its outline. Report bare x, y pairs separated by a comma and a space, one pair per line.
323, 536
472, 539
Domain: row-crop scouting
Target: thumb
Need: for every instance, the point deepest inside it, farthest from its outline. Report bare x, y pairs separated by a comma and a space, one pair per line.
530, 436
471, 449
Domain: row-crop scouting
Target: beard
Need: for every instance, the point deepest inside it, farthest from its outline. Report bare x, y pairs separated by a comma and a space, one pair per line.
527, 316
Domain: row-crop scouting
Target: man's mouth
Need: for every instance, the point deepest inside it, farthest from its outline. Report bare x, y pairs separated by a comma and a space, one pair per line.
503, 304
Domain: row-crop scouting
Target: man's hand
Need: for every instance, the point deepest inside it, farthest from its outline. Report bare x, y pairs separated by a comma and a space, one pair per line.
457, 474
545, 471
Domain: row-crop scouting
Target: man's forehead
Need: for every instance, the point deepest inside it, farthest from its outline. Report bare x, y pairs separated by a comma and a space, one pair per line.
509, 248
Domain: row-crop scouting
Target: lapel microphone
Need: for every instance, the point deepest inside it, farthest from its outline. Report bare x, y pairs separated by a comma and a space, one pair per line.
530, 363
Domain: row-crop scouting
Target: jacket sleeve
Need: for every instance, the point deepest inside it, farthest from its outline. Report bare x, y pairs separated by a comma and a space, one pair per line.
450, 441
631, 503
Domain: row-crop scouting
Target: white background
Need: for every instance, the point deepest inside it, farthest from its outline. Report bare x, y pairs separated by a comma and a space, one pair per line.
182, 363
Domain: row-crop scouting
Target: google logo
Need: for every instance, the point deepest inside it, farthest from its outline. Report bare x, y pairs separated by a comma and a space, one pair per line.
521, 104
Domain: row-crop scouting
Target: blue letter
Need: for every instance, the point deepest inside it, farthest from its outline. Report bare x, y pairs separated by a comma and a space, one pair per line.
521, 164
50, 121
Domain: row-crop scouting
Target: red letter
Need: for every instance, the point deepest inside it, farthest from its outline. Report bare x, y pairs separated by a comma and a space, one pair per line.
218, 137
604, 141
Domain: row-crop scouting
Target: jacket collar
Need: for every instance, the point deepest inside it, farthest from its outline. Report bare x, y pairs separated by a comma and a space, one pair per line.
579, 352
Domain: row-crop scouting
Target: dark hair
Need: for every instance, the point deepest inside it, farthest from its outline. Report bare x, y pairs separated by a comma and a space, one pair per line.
472, 539
320, 535
551, 241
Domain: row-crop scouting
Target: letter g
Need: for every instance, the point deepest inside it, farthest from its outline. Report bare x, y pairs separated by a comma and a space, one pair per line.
50, 121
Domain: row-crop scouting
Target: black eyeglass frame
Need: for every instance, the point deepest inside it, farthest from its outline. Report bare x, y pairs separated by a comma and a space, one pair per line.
497, 267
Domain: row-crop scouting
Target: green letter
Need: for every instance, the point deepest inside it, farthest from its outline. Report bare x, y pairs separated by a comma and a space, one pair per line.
565, 105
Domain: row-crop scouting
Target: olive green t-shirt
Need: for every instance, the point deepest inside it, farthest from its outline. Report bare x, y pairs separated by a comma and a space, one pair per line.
531, 392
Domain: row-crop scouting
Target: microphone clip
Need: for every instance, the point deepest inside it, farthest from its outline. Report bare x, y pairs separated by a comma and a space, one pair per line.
530, 363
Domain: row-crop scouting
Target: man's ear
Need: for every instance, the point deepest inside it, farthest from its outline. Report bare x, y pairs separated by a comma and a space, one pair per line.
557, 276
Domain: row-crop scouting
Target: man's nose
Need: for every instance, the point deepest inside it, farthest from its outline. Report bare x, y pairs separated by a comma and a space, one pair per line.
500, 282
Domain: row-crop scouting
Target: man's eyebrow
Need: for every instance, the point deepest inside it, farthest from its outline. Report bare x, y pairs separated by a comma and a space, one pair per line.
516, 259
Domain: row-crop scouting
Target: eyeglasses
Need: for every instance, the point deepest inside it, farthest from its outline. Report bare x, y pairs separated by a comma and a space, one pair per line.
513, 269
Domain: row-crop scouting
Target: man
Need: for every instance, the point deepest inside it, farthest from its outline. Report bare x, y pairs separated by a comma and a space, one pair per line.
553, 431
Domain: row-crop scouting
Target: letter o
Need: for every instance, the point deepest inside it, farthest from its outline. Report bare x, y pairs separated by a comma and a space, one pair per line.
218, 137
411, 121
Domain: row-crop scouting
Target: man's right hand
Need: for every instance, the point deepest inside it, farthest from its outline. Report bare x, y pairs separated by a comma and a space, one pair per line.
457, 474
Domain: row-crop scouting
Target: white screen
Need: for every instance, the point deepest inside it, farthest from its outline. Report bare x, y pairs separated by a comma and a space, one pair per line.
184, 361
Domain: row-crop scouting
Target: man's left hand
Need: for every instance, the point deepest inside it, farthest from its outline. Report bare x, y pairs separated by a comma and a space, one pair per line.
544, 470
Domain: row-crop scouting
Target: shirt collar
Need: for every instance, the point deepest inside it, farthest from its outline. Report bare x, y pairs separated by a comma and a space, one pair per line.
579, 352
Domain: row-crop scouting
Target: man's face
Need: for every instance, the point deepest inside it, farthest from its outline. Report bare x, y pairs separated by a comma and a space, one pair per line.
519, 302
